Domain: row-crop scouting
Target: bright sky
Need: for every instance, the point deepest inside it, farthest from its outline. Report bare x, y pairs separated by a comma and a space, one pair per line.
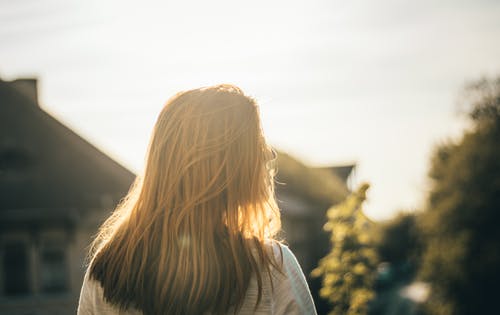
371, 82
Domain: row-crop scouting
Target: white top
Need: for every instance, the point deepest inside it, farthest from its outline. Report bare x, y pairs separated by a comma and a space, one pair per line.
291, 294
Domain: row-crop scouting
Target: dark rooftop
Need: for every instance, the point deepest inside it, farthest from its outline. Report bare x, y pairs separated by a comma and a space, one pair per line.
44, 166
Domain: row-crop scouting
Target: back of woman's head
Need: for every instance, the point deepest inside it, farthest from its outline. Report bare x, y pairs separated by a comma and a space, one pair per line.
192, 230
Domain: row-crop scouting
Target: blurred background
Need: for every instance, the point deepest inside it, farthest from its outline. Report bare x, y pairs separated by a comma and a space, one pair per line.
401, 95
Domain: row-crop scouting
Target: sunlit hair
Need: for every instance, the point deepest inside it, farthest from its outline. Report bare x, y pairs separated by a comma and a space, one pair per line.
197, 224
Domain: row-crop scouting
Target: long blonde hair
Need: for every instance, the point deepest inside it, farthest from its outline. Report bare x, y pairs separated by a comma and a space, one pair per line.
194, 227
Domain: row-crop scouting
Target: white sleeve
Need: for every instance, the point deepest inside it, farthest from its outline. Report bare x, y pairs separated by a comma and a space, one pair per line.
92, 301
87, 296
291, 292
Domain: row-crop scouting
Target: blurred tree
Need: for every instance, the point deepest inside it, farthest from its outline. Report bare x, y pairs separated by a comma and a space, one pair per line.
399, 240
461, 223
348, 271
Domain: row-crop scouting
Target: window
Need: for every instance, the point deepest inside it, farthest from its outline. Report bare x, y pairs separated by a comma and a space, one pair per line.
15, 268
53, 271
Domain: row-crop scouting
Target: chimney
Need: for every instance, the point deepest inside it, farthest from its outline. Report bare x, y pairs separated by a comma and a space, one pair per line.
28, 87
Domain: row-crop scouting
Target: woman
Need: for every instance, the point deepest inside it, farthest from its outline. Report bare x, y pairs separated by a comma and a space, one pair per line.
195, 233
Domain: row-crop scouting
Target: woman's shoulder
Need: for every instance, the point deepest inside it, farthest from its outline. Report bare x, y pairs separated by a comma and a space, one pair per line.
282, 254
291, 291
92, 300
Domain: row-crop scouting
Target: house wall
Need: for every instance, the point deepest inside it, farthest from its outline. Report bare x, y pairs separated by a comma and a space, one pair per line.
74, 241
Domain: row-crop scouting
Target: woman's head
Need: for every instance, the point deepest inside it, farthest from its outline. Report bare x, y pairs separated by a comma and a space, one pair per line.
207, 148
200, 214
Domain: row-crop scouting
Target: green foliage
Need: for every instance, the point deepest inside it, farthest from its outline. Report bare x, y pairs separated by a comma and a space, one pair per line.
318, 186
462, 219
348, 270
399, 240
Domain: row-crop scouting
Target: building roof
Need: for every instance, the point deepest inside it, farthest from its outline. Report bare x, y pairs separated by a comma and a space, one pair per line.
46, 169
317, 186
341, 171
